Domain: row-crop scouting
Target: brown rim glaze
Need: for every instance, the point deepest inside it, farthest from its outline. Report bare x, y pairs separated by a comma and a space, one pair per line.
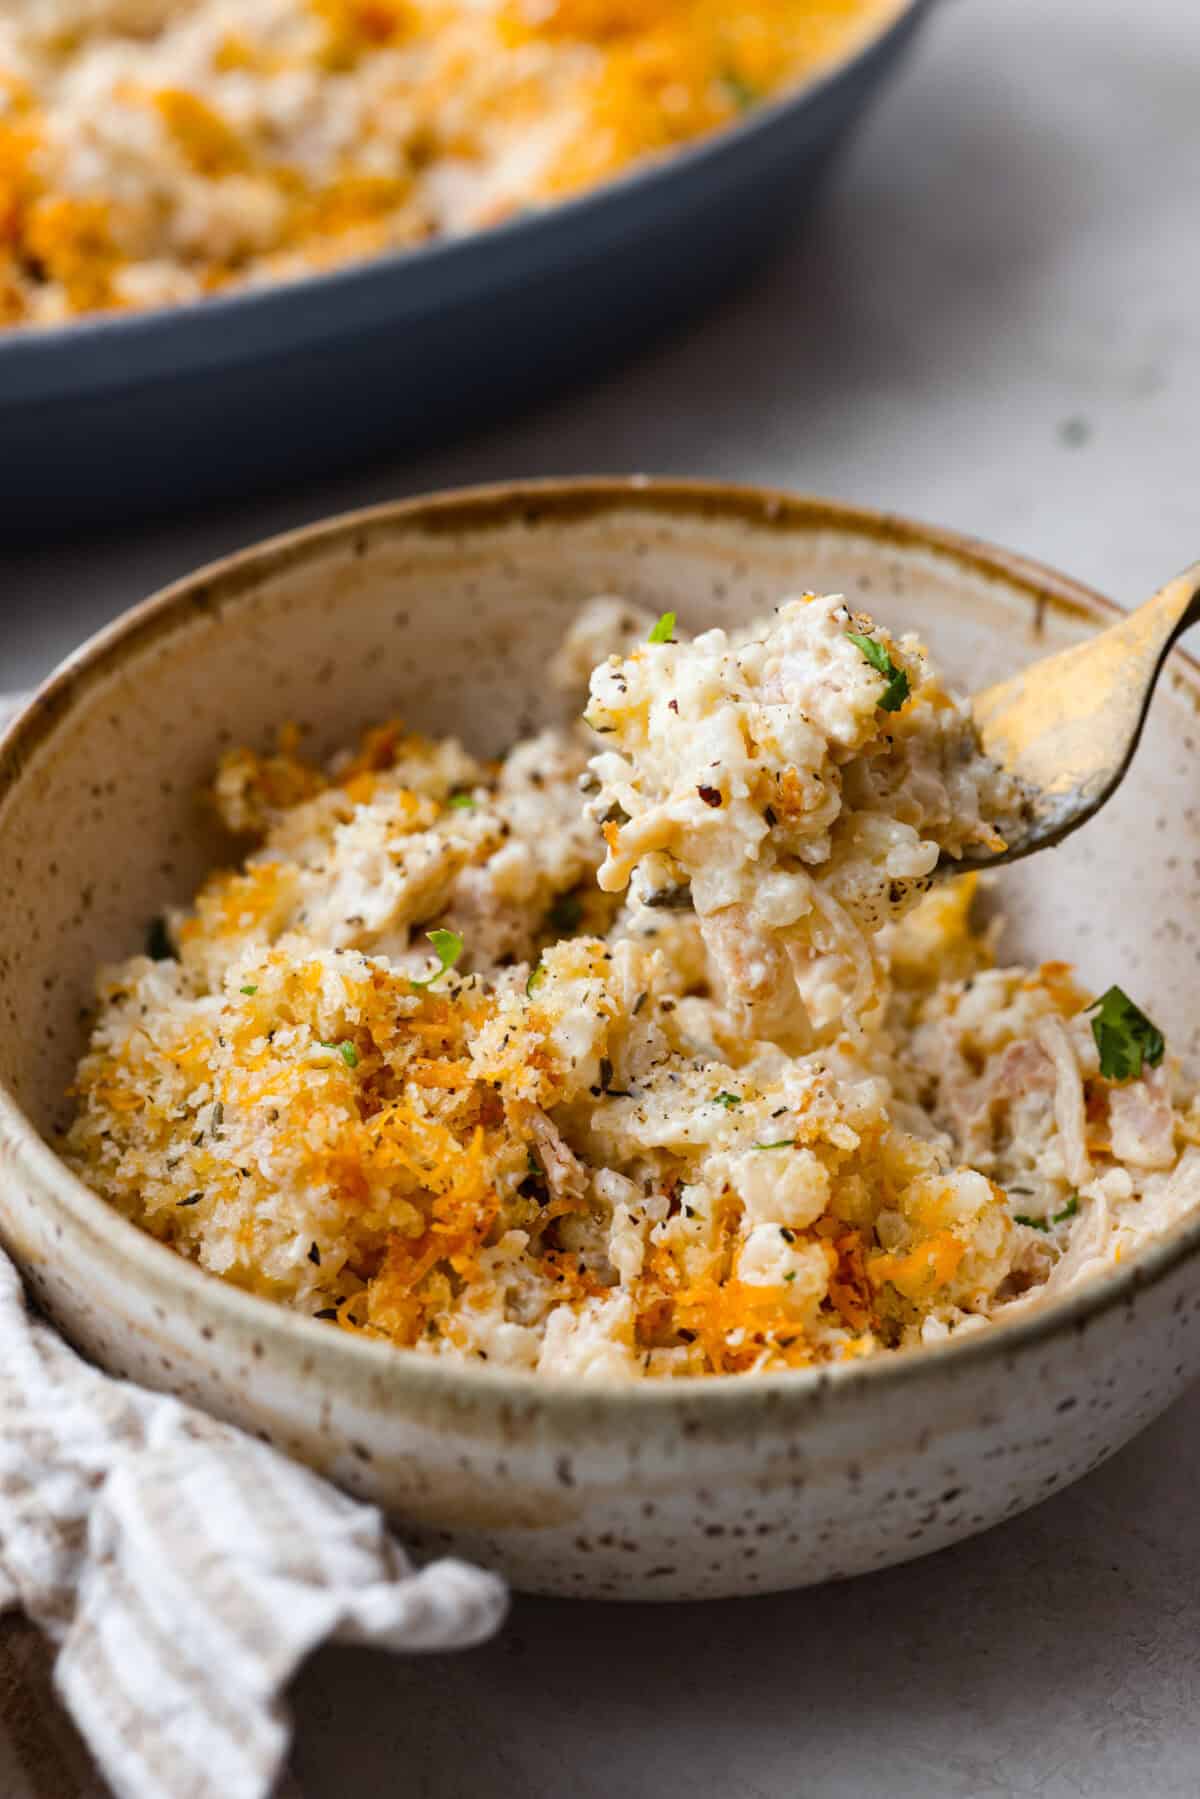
719, 1405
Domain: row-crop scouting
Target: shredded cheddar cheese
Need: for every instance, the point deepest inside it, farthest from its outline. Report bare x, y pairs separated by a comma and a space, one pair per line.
165, 152
418, 1069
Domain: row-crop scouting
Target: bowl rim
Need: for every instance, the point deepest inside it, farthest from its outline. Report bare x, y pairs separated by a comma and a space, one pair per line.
107, 335
348, 1360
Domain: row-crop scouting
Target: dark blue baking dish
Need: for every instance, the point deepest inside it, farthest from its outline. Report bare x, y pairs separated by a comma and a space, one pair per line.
122, 416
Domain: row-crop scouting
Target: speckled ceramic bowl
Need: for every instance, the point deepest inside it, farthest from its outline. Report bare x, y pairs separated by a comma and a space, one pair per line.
446, 610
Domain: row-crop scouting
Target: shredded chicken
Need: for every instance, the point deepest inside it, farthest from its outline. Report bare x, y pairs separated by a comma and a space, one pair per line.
450, 1060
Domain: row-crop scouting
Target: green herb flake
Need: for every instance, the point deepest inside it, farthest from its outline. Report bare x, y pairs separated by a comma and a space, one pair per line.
537, 975
779, 1143
743, 93
448, 947
728, 1100
348, 1053
1125, 1037
664, 630
461, 801
1043, 1224
249, 991
897, 690
791, 1276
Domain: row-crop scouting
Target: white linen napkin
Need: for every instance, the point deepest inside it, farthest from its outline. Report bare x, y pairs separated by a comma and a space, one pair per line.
185, 1570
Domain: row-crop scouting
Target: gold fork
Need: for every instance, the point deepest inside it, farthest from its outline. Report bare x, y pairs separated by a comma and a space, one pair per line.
1067, 727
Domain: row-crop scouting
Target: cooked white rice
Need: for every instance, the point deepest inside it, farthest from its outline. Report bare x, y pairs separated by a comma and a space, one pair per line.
705, 1084
153, 151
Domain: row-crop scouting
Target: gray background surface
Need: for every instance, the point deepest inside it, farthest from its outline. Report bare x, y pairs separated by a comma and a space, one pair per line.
994, 323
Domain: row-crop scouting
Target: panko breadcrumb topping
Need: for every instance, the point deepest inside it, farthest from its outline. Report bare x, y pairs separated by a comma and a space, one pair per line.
643, 1051
153, 151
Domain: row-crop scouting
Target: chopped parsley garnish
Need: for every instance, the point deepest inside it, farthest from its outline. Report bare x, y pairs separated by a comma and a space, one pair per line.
537, 975
664, 630
779, 1143
159, 947
249, 991
1043, 1224
1124, 1036
896, 691
791, 1276
345, 1050
462, 801
448, 947
743, 93
728, 1100
565, 914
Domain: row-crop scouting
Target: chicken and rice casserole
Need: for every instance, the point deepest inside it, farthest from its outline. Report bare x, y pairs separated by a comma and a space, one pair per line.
153, 151
647, 1050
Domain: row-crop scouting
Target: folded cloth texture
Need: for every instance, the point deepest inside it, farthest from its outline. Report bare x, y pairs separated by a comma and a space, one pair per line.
185, 1570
